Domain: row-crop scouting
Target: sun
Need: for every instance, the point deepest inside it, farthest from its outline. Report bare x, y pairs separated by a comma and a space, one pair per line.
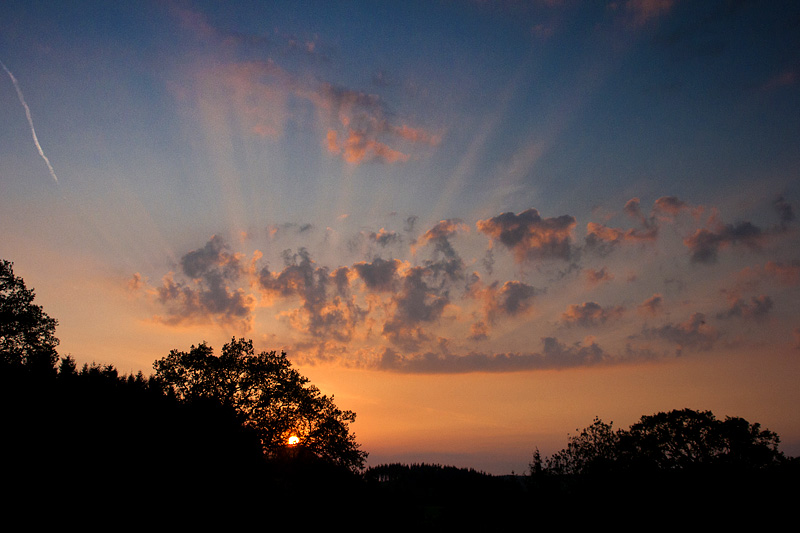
293, 440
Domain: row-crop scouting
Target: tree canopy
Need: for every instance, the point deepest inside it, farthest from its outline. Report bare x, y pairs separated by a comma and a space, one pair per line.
27, 334
681, 439
267, 395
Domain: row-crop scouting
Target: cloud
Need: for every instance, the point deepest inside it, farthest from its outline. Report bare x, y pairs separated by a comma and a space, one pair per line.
785, 212
288, 228
512, 298
319, 316
589, 314
379, 275
209, 294
384, 238
360, 128
478, 331
214, 259
757, 308
652, 306
208, 301
358, 147
693, 334
410, 223
445, 259
671, 205
415, 304
637, 13
602, 238
529, 236
554, 355
596, 277
786, 273
440, 233
705, 244
259, 93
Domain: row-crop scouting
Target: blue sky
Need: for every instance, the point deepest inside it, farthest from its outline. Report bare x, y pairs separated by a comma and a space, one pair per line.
461, 218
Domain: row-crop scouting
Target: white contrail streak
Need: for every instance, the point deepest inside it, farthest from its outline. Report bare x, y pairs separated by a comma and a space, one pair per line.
30, 121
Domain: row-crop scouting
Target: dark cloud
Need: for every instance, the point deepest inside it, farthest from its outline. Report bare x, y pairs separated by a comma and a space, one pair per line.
446, 265
530, 236
785, 211
385, 238
440, 234
415, 304
757, 308
208, 295
488, 261
589, 314
693, 334
704, 244
511, 299
669, 204
601, 238
279, 230
213, 259
209, 300
514, 297
554, 354
379, 275
319, 315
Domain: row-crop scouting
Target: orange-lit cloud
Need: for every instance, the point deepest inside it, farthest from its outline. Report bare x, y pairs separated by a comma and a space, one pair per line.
257, 92
653, 306
598, 276
590, 314
358, 148
529, 236
786, 273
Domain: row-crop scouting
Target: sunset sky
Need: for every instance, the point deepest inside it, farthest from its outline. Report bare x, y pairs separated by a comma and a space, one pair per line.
477, 224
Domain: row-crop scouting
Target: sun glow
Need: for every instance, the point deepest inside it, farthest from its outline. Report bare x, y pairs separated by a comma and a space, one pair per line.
293, 440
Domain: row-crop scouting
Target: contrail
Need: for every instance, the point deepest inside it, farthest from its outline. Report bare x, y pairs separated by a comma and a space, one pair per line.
30, 121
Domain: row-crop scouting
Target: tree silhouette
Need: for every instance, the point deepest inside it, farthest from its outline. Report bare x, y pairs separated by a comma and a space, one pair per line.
27, 334
594, 449
267, 395
684, 439
681, 439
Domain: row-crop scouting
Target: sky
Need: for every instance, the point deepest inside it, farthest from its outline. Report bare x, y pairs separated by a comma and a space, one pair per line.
478, 225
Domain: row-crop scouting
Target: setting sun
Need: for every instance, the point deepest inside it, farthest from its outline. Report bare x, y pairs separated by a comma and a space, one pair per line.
293, 440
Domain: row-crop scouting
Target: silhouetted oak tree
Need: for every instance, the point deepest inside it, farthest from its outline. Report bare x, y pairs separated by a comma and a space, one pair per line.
27, 334
267, 395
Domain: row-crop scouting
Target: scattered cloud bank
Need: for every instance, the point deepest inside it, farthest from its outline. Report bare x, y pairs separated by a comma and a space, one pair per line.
452, 300
356, 126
